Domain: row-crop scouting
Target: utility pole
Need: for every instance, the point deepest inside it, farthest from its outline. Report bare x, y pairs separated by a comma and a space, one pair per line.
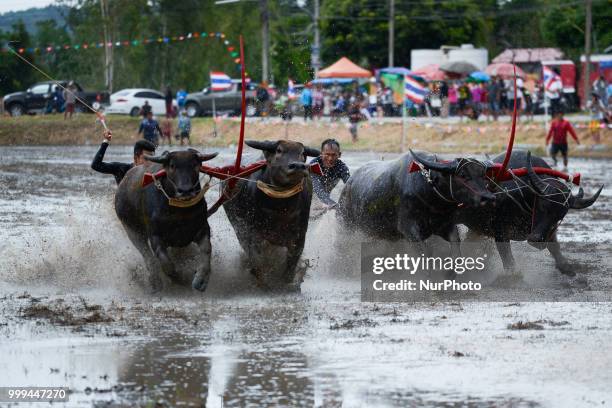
587, 53
108, 51
391, 30
265, 38
316, 49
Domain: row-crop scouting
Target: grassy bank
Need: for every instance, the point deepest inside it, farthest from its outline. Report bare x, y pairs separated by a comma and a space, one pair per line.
386, 137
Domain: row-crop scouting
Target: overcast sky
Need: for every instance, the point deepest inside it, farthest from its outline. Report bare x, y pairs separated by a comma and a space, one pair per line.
16, 5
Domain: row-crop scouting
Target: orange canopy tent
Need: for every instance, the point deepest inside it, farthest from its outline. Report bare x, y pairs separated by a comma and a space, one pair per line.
344, 68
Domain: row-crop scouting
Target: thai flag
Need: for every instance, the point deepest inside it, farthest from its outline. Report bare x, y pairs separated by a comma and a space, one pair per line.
550, 76
290, 90
219, 81
414, 91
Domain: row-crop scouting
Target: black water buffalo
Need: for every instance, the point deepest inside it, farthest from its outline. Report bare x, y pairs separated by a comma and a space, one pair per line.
169, 214
270, 213
529, 208
385, 200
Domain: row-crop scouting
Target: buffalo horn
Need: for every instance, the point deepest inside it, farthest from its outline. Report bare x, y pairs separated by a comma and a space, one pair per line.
578, 203
265, 145
441, 167
163, 159
203, 156
537, 184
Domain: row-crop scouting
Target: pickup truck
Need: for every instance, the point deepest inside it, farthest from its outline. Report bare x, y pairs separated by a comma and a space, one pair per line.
201, 103
36, 98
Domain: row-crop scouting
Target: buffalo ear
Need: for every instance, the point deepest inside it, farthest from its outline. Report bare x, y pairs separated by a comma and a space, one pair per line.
265, 145
309, 151
162, 159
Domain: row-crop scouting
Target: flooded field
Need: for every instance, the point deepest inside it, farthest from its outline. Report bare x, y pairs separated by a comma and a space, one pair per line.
73, 313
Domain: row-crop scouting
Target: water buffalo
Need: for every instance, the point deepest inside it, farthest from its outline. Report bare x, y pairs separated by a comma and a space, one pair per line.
529, 208
168, 213
270, 213
385, 200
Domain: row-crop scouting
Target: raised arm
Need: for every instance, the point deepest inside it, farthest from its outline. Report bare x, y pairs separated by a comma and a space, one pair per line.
319, 189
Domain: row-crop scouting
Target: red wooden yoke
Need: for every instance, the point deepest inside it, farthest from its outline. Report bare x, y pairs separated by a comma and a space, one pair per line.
495, 169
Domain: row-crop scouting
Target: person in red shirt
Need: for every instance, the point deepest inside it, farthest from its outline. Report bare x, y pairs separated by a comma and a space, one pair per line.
558, 132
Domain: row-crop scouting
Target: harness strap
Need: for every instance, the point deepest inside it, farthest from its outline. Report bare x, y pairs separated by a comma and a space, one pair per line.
276, 192
178, 202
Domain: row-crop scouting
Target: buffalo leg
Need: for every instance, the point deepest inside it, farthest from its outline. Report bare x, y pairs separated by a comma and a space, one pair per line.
505, 253
202, 275
413, 232
451, 234
161, 253
151, 263
560, 261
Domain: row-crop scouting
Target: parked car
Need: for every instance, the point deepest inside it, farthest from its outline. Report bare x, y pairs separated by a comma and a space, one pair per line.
129, 101
39, 95
201, 103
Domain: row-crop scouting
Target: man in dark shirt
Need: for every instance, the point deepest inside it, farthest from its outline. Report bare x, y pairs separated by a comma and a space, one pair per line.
333, 170
141, 148
150, 129
145, 109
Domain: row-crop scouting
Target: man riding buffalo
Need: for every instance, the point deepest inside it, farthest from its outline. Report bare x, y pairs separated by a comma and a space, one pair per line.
270, 211
528, 208
169, 212
387, 201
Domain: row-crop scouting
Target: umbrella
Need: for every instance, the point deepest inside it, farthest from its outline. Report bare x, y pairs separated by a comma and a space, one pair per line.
430, 72
479, 76
459, 67
504, 70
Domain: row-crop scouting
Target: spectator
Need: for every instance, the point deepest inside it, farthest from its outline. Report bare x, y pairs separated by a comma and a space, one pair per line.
355, 116
444, 98
262, 97
599, 89
493, 92
452, 99
184, 127
168, 99
503, 101
553, 92
476, 94
464, 98
181, 98
70, 98
317, 102
150, 129
306, 100
145, 109
166, 130
559, 128
58, 99
387, 102
339, 107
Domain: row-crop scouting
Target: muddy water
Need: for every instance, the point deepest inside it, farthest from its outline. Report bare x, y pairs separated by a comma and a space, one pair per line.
73, 313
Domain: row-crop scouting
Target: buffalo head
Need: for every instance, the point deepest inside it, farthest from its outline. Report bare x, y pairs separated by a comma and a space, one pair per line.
553, 199
182, 171
286, 160
460, 180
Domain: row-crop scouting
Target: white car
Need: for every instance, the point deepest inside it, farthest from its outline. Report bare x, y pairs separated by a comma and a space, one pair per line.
129, 101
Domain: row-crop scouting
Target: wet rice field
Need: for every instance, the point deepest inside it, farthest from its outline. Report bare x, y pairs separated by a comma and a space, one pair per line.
74, 313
